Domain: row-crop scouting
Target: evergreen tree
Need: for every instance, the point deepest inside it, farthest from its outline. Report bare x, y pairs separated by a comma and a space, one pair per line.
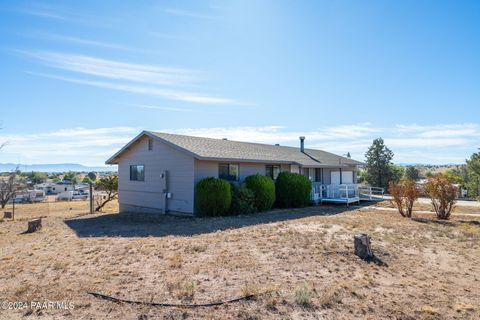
412, 173
379, 169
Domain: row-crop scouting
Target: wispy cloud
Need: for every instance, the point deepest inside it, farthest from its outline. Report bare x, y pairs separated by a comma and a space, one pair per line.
112, 69
152, 91
76, 40
61, 14
170, 36
144, 79
153, 107
188, 13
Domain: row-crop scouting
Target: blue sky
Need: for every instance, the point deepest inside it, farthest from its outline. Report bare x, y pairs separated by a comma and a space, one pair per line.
80, 78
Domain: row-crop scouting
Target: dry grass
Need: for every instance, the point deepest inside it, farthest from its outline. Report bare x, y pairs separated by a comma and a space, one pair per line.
299, 264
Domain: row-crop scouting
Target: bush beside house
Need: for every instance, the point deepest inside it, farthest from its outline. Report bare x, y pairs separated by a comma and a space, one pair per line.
213, 197
263, 189
292, 190
217, 197
243, 200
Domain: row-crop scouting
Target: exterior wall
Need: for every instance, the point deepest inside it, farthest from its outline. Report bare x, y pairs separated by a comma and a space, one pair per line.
294, 168
147, 196
204, 169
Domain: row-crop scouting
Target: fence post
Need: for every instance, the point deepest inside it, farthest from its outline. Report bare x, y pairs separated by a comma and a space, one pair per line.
91, 197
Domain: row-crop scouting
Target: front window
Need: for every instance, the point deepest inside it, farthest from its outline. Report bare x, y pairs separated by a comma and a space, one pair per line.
137, 173
228, 171
272, 171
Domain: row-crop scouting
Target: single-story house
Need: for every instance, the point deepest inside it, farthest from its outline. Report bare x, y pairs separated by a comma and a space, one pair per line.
158, 171
55, 187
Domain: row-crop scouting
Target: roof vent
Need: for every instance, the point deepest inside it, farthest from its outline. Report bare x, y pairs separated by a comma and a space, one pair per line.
302, 143
224, 139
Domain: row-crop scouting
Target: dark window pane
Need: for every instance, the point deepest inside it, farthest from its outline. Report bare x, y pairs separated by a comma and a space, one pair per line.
137, 173
228, 171
223, 171
272, 171
269, 171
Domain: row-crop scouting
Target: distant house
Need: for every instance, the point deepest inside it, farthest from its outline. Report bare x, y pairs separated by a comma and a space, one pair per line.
158, 171
55, 187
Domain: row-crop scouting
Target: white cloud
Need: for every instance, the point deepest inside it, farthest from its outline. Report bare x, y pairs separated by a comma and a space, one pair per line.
94, 146
73, 145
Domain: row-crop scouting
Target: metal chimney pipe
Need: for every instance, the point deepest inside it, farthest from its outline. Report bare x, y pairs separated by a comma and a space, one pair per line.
302, 143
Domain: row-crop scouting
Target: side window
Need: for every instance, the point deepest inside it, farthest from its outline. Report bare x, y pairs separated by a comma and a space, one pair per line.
150, 144
228, 171
137, 173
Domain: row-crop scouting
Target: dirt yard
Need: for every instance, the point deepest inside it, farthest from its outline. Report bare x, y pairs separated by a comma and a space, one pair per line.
299, 264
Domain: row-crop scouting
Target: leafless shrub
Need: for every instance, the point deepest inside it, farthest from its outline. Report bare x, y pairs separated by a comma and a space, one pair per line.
442, 193
9, 186
404, 194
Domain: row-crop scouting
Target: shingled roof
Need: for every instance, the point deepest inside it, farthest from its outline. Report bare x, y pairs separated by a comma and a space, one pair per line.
228, 150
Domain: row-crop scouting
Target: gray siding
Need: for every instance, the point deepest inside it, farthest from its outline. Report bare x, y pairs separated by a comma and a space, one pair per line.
147, 196
204, 169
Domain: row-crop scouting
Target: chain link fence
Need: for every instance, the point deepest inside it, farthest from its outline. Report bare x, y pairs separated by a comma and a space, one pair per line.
52, 205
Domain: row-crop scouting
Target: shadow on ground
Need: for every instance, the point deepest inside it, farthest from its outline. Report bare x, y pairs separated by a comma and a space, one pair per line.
146, 225
448, 223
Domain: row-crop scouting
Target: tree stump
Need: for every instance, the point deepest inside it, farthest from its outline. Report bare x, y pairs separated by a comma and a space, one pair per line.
34, 225
7, 215
362, 246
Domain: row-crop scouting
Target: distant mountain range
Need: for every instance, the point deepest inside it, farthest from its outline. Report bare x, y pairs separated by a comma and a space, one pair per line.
53, 167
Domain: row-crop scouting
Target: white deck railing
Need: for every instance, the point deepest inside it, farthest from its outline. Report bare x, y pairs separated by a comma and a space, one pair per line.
328, 191
343, 191
368, 192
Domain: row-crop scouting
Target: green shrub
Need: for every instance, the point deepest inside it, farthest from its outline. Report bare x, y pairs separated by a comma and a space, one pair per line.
303, 296
243, 200
213, 197
293, 190
263, 188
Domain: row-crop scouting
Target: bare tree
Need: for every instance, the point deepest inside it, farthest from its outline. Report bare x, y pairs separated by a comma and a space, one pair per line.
109, 185
9, 186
